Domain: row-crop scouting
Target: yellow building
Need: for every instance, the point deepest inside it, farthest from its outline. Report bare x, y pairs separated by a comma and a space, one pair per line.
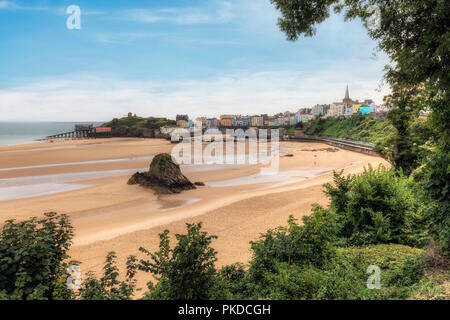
356, 108
200, 122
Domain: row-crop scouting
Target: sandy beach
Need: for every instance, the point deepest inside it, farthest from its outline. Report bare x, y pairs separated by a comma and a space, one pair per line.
86, 179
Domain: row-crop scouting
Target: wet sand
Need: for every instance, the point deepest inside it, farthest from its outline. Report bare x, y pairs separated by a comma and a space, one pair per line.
86, 179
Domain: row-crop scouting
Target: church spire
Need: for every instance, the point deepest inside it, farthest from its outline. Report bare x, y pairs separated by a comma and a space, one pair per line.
347, 96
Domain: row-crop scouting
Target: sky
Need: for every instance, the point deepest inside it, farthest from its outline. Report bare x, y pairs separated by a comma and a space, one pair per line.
166, 57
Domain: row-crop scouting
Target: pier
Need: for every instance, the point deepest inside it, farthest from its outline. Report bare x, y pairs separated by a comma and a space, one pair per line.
82, 132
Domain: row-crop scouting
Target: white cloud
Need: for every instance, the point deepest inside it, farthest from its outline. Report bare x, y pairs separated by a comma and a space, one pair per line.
132, 37
122, 37
214, 12
7, 5
13, 5
98, 98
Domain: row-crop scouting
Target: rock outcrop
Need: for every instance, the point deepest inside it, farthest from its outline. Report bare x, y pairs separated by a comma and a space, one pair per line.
164, 176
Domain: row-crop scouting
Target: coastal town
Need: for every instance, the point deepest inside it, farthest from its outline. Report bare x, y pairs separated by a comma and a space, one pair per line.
344, 109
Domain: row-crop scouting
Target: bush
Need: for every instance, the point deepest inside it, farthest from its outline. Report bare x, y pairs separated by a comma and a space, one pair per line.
233, 281
108, 287
436, 183
309, 244
187, 271
344, 276
402, 267
378, 206
32, 254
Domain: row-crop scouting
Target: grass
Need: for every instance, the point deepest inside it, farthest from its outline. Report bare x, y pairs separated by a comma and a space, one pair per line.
406, 272
359, 128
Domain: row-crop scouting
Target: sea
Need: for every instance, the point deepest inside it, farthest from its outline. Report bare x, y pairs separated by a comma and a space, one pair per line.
14, 133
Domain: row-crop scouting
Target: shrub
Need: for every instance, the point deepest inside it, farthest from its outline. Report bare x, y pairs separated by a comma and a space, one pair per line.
378, 206
343, 276
436, 184
310, 243
108, 287
187, 271
32, 254
233, 280
402, 267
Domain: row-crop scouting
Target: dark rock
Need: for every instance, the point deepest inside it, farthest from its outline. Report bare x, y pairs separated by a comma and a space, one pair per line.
200, 184
164, 176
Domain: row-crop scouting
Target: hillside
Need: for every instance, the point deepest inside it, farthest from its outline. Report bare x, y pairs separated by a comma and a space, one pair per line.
134, 126
358, 128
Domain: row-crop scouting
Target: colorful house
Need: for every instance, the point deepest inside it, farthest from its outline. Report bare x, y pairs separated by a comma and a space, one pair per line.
355, 108
318, 110
226, 122
349, 111
364, 110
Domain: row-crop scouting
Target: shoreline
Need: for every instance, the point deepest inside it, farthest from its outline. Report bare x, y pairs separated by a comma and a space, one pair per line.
109, 215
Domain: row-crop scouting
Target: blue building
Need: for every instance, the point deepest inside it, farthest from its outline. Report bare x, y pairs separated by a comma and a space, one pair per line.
318, 110
349, 111
364, 110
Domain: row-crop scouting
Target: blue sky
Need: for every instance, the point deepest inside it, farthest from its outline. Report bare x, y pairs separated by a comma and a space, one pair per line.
163, 57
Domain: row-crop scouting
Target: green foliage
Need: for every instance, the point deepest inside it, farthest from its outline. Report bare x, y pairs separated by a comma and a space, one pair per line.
308, 245
402, 267
160, 161
436, 183
32, 254
357, 127
187, 271
421, 57
419, 76
301, 245
133, 126
405, 149
344, 276
109, 287
233, 281
378, 206
290, 130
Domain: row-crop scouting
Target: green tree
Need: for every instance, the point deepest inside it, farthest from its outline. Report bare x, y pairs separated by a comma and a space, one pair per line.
415, 34
185, 272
